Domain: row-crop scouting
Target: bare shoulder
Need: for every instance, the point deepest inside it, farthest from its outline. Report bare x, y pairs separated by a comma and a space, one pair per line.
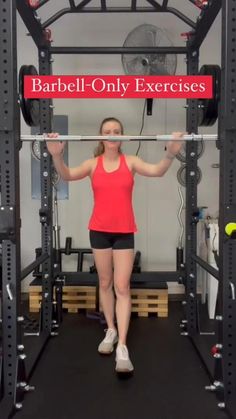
92, 163
130, 160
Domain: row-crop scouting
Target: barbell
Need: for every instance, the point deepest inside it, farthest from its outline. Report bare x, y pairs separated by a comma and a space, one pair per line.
168, 137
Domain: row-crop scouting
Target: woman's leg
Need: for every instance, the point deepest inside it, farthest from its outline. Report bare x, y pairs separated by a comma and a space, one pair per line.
103, 262
123, 260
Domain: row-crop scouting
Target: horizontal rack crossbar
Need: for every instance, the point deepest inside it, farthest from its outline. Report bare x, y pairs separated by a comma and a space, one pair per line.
187, 137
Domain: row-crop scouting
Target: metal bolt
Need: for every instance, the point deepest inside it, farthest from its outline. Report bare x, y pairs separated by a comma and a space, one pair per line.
221, 405
194, 53
22, 384
51, 106
184, 303
218, 384
45, 174
184, 333
18, 406
210, 388
20, 347
42, 54
51, 60
217, 356
219, 346
219, 318
29, 388
20, 318
184, 321
46, 295
45, 205
22, 356
11, 208
45, 154
192, 275
192, 173
192, 154
182, 325
191, 295
46, 276
2, 208
54, 333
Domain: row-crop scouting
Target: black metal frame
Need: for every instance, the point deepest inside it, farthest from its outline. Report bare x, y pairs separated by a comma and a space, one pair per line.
15, 371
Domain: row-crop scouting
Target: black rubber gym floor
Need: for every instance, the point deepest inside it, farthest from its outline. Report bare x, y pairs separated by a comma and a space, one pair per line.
74, 382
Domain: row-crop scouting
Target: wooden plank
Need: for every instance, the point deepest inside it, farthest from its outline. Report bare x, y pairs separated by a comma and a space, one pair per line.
85, 305
78, 297
162, 314
149, 301
148, 291
149, 309
78, 288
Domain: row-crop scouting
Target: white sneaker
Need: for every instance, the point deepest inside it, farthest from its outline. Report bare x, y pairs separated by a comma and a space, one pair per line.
123, 363
107, 345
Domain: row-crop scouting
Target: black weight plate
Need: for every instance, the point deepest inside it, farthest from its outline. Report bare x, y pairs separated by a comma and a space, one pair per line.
208, 108
181, 156
29, 107
181, 175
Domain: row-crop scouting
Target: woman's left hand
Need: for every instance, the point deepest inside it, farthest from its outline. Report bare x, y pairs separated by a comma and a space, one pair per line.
175, 145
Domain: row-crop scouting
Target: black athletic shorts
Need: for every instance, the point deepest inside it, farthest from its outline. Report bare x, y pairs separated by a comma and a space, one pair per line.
104, 240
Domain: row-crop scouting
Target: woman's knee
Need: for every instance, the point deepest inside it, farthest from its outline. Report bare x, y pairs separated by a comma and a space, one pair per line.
122, 290
105, 283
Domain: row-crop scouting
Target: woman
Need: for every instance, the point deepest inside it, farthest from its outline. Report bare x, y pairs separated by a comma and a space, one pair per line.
112, 225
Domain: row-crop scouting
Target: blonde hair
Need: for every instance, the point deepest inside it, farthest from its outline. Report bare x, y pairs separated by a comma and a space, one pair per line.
99, 150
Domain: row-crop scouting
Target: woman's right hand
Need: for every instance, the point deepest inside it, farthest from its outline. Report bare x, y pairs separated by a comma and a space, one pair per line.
55, 148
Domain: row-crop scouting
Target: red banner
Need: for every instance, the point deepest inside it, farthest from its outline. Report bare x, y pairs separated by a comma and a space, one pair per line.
117, 87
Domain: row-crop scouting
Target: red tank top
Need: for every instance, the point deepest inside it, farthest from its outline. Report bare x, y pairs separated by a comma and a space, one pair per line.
113, 211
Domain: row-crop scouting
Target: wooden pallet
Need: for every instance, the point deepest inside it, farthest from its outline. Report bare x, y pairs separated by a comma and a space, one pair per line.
35, 298
77, 297
146, 301
74, 298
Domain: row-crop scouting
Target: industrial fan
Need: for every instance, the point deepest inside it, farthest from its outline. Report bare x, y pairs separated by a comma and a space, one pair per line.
147, 35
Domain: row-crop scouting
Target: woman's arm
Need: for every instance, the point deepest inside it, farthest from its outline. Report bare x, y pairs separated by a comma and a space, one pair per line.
56, 148
159, 169
75, 173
